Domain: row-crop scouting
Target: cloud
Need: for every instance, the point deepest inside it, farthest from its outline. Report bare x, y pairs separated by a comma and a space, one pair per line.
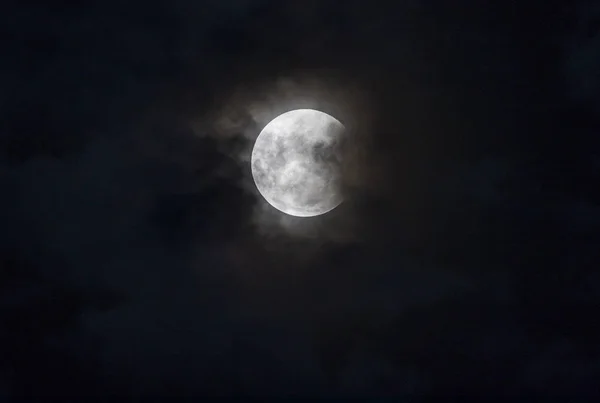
128, 171
238, 120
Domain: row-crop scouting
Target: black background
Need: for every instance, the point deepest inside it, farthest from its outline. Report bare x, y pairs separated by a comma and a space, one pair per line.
138, 259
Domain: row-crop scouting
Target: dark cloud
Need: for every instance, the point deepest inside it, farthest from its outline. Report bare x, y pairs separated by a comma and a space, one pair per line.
138, 258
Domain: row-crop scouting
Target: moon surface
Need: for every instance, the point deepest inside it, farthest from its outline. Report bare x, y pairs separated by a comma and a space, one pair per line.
296, 162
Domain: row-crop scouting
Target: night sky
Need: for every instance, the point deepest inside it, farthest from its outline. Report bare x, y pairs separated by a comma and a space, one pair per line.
138, 260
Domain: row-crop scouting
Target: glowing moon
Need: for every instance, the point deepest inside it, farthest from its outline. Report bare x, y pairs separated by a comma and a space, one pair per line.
296, 162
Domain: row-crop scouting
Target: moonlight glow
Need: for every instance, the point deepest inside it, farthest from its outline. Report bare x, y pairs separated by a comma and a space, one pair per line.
296, 162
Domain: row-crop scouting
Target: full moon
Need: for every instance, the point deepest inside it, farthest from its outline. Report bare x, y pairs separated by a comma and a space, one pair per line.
296, 162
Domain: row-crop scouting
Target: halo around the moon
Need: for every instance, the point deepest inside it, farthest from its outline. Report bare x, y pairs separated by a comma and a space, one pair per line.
296, 162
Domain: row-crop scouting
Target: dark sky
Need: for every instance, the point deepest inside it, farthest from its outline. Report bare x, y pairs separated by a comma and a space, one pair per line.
137, 258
